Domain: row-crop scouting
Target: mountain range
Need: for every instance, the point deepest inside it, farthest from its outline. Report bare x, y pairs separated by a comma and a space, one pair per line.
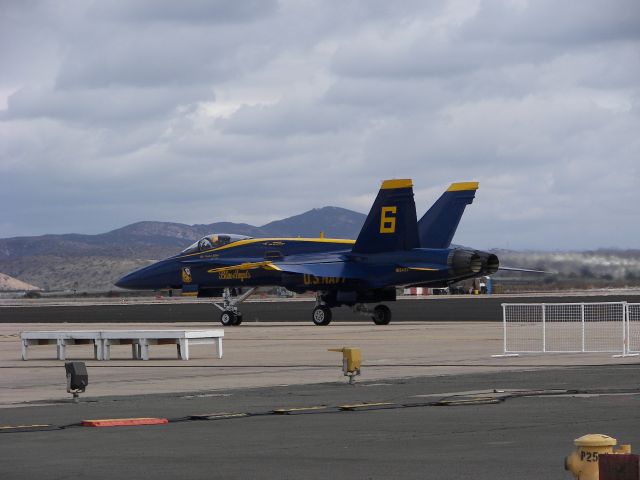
94, 262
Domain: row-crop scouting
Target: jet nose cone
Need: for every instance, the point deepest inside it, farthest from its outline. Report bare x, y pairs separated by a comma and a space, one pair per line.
138, 279
128, 281
152, 277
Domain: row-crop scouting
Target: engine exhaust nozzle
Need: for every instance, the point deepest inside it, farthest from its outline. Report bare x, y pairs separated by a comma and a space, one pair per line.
490, 263
465, 261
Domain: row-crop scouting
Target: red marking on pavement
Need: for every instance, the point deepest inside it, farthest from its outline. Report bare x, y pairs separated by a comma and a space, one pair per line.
123, 422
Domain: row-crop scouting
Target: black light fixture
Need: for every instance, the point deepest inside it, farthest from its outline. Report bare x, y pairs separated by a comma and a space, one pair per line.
77, 378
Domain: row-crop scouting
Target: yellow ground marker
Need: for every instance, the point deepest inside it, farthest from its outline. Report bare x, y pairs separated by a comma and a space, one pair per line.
361, 406
286, 411
216, 416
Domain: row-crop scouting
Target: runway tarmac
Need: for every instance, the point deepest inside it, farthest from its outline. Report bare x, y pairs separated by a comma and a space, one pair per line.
434, 308
525, 434
449, 410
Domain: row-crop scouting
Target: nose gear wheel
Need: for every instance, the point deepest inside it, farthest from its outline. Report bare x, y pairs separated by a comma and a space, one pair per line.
230, 315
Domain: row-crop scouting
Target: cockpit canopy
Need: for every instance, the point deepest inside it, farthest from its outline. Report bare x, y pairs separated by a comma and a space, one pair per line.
213, 241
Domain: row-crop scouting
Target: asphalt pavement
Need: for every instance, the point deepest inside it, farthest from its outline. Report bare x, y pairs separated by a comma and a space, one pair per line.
480, 308
431, 404
501, 425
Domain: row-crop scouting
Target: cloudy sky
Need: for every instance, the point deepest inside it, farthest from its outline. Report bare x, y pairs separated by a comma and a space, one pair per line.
248, 111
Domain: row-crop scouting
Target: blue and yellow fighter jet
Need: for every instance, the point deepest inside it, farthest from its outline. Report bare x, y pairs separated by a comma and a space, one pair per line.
392, 249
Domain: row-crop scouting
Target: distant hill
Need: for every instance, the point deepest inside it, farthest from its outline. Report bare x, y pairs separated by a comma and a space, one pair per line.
94, 262
10, 284
159, 239
334, 222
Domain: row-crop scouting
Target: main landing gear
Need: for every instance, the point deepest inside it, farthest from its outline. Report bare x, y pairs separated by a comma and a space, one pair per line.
381, 314
321, 315
230, 315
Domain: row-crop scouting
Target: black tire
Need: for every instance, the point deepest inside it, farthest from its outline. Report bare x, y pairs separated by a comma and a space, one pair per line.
321, 315
381, 315
227, 318
238, 319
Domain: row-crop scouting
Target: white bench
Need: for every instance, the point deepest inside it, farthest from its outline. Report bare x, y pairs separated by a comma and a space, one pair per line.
61, 339
141, 339
138, 339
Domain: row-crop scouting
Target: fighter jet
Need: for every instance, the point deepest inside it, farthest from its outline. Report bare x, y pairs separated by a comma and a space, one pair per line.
392, 249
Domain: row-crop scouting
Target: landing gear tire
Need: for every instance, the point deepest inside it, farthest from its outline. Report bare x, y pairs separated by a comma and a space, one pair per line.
321, 315
230, 315
228, 318
381, 315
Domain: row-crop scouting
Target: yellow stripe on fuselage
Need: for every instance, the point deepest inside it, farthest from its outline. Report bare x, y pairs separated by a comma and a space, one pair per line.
246, 266
249, 241
397, 183
458, 187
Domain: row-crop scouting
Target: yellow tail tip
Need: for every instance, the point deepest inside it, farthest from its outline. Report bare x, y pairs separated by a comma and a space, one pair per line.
397, 183
460, 186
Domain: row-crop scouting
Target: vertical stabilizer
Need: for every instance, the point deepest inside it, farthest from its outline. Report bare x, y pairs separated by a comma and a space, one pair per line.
437, 227
392, 223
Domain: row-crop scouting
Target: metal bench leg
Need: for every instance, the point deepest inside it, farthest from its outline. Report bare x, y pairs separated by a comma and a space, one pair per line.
60, 349
144, 349
219, 346
99, 345
25, 344
183, 348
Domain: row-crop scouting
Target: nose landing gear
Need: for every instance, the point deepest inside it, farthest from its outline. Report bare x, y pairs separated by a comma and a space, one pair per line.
230, 315
229, 318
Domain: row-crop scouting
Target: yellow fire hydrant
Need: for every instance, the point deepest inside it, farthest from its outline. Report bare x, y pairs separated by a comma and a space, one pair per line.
351, 362
583, 463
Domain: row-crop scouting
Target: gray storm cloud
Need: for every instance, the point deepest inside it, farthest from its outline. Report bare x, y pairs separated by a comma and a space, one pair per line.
201, 111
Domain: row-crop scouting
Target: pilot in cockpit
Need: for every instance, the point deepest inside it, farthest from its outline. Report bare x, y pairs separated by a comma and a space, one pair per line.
205, 244
213, 241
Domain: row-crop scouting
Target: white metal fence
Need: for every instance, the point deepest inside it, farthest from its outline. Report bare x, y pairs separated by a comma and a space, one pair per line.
633, 328
611, 327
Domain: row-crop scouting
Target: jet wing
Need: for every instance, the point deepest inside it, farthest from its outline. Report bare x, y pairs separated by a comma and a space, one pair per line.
339, 269
326, 269
291, 259
319, 265
266, 265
